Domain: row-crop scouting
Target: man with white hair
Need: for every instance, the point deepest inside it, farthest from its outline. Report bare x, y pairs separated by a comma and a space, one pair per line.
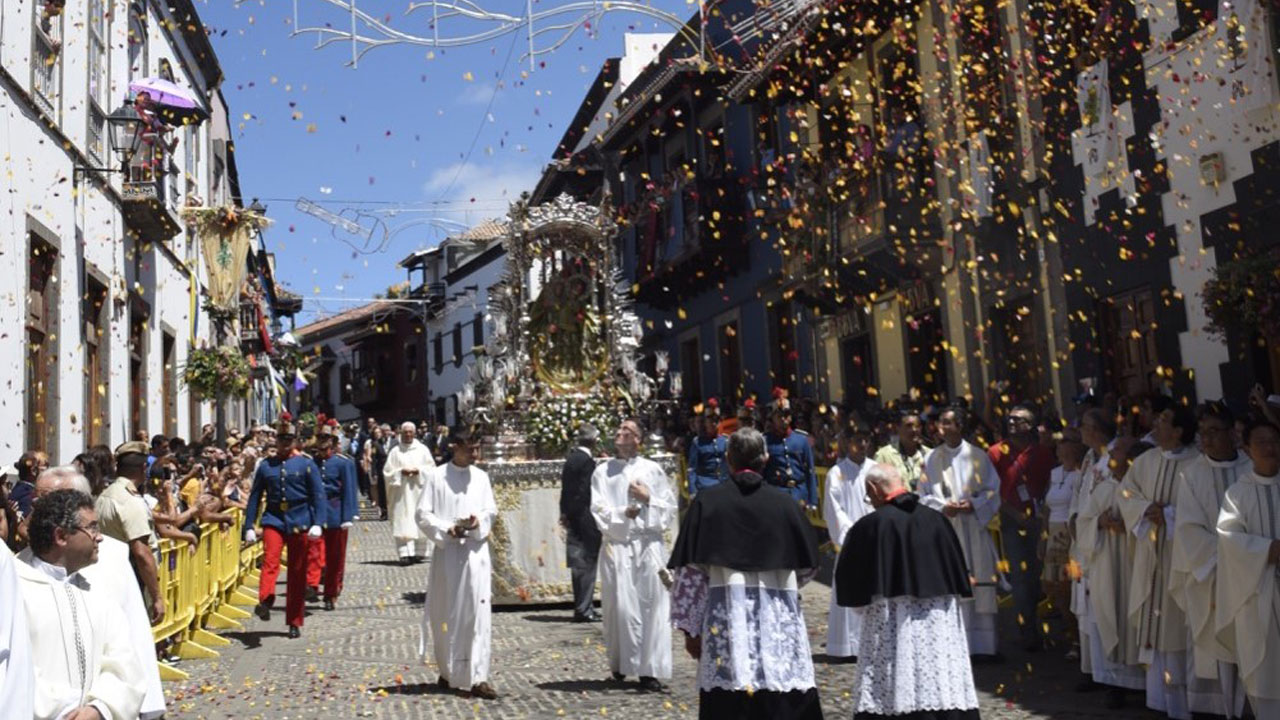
903, 566
405, 473
112, 577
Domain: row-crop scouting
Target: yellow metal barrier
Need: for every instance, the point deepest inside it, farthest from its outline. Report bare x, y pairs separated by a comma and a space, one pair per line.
202, 587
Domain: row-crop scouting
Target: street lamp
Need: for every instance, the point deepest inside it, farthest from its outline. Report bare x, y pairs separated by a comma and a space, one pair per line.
124, 125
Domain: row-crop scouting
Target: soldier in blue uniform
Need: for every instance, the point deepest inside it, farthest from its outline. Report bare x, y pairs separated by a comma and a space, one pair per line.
790, 464
706, 452
292, 510
338, 475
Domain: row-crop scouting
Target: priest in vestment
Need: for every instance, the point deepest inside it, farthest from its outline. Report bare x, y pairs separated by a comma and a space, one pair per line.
1213, 685
903, 566
17, 684
112, 577
457, 511
744, 550
68, 624
405, 472
634, 504
845, 504
1106, 552
959, 481
1248, 590
1146, 500
1098, 432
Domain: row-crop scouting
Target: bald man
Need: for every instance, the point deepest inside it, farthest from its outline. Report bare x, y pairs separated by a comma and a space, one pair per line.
406, 473
112, 577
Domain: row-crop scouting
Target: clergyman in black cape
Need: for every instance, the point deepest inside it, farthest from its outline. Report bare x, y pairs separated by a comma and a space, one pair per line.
903, 566
743, 552
582, 537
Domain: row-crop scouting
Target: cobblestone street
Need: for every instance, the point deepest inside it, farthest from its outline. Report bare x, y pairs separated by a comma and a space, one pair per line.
361, 660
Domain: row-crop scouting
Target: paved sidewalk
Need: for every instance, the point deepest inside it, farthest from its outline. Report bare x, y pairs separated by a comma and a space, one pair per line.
361, 660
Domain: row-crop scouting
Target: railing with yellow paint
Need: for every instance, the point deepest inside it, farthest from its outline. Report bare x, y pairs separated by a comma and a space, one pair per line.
205, 587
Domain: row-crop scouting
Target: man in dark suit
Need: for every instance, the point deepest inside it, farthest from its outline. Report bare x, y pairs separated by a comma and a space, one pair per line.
582, 537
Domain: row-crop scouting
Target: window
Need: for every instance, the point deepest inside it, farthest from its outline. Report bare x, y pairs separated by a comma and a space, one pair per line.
42, 346
46, 54
169, 382
437, 352
98, 80
730, 361
411, 362
477, 331
344, 382
166, 70
691, 369
782, 352
137, 40
97, 369
137, 369
457, 344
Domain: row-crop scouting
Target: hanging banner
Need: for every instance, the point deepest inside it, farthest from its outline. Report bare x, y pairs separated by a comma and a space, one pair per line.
1097, 126
1248, 69
224, 234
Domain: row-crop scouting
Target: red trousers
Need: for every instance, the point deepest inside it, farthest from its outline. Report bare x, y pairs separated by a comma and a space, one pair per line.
315, 559
296, 580
335, 564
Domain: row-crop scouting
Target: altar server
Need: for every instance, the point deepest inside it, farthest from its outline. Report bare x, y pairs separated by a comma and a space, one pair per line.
406, 470
1248, 591
17, 683
634, 504
83, 662
743, 553
845, 504
456, 512
904, 567
1106, 552
1212, 679
288, 489
341, 508
959, 481
1146, 500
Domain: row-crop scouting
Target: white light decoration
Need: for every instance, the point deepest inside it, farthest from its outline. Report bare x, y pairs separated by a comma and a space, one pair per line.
366, 32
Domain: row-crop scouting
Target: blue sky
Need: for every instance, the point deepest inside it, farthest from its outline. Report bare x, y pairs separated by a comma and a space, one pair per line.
461, 131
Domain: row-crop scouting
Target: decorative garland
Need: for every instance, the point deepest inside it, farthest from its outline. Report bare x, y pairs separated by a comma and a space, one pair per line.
223, 220
217, 372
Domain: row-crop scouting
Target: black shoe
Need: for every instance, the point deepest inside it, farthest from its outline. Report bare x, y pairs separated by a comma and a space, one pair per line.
651, 684
1115, 699
418, 559
484, 691
617, 677
588, 618
382, 515
294, 632
1088, 685
406, 561
262, 611
442, 683
328, 605
313, 594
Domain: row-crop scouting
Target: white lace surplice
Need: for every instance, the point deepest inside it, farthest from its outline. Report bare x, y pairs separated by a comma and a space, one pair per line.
914, 657
752, 628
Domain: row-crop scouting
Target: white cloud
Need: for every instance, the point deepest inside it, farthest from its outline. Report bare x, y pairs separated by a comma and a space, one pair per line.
479, 94
479, 191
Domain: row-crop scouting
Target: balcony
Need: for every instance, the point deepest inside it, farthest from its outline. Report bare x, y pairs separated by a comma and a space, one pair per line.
150, 204
251, 326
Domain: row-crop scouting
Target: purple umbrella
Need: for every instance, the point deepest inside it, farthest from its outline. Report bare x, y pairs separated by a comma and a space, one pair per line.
173, 103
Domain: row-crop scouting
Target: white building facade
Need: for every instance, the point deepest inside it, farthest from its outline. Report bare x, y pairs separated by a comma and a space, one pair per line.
99, 275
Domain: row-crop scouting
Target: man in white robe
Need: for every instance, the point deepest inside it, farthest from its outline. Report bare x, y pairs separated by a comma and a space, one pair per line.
1146, 500
1248, 590
112, 577
1106, 550
1098, 432
1212, 681
959, 481
457, 511
405, 472
845, 503
85, 667
17, 684
634, 505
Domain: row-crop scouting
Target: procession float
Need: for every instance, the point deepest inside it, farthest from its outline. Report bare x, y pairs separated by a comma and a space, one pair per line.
564, 349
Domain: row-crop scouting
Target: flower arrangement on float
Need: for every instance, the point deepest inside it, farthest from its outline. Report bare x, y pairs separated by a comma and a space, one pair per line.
552, 421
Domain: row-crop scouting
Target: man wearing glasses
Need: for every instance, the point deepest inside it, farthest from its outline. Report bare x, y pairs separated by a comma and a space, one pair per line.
1024, 466
100, 677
